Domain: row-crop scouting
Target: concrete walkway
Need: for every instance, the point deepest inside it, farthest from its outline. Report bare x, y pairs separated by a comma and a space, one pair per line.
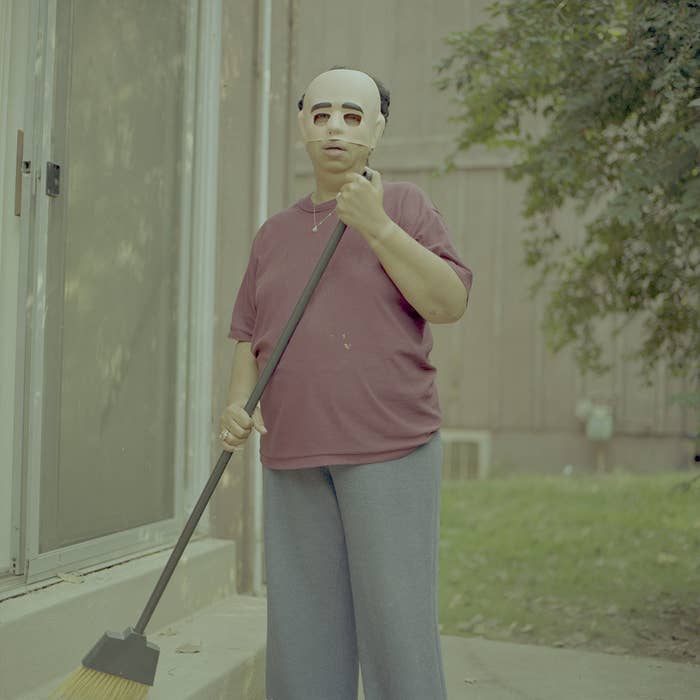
477, 669
228, 663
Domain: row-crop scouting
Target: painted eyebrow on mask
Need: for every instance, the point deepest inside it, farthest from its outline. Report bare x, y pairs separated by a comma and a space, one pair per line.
345, 105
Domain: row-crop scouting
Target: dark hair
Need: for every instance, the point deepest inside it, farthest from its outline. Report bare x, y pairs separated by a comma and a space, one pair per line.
383, 93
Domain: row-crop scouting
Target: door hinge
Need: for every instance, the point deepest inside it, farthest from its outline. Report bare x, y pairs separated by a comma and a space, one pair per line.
53, 179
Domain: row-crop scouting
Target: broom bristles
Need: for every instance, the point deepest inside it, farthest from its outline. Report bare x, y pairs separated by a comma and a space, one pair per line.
89, 684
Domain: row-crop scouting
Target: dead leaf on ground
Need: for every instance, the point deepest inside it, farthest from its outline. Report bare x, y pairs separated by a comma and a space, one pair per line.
71, 577
615, 650
664, 558
576, 639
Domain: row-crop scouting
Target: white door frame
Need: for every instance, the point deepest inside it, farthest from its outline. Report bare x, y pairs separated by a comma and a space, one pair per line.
16, 52
199, 190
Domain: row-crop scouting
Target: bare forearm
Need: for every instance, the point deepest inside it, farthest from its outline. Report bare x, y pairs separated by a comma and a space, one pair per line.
244, 374
427, 281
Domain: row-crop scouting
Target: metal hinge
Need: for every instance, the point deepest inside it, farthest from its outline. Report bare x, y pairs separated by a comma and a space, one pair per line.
53, 179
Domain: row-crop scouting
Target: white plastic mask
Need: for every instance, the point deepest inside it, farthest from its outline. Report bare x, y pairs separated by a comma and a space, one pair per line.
342, 104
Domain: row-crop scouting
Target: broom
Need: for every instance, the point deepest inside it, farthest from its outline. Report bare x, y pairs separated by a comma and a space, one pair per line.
123, 666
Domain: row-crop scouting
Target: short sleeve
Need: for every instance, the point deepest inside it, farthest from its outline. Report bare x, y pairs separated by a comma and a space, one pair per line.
420, 218
244, 309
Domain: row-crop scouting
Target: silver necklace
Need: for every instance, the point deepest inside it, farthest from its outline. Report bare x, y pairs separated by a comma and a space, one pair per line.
316, 225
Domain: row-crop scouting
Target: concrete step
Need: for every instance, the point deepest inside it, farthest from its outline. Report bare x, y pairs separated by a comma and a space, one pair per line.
216, 654
229, 665
44, 634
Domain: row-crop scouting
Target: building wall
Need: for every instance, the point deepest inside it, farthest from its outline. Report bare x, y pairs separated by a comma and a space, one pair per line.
237, 133
239, 171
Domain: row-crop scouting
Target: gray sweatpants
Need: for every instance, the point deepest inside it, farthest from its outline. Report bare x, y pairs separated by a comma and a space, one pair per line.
351, 557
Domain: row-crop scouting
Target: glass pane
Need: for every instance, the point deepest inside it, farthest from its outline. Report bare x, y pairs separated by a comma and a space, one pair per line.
113, 416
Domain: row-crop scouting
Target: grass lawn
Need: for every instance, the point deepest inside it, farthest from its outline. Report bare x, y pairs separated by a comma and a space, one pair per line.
607, 563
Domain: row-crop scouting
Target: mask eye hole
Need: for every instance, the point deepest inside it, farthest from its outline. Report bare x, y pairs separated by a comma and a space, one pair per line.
353, 119
320, 118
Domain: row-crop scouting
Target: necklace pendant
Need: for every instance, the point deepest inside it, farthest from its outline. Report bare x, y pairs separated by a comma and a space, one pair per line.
315, 228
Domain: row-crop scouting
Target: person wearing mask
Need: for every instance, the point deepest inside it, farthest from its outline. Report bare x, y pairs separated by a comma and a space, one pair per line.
350, 418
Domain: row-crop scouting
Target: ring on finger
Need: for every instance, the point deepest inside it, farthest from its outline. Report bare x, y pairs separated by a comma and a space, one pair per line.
224, 435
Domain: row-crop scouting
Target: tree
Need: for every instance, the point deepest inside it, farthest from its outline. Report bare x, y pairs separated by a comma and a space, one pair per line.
616, 83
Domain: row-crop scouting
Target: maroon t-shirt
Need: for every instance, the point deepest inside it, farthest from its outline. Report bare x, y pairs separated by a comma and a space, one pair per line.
354, 385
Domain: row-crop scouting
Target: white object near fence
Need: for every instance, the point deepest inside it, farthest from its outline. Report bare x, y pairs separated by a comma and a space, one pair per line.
457, 449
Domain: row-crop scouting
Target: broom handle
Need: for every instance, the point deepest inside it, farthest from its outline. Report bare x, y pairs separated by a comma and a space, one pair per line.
249, 407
